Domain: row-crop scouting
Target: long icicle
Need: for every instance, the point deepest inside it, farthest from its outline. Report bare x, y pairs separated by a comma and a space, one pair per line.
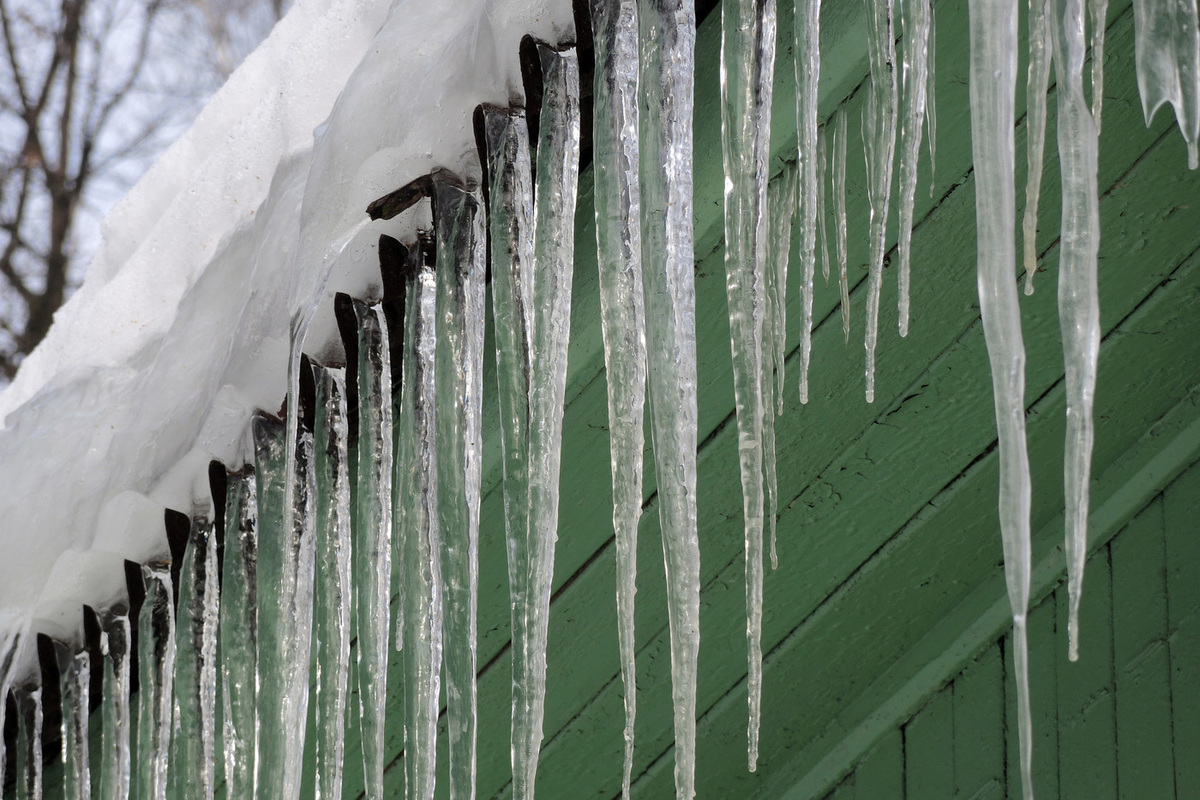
808, 76
510, 208
458, 373
668, 42
239, 632
156, 678
114, 753
914, 26
1078, 296
193, 746
622, 308
29, 741
415, 517
879, 137
993, 65
931, 99
747, 67
1167, 47
334, 594
839, 207
75, 679
372, 532
1038, 84
782, 199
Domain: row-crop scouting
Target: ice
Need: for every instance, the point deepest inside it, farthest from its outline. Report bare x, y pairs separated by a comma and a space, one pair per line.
372, 536
156, 680
193, 745
1078, 297
930, 101
822, 209
1098, 19
993, 64
333, 587
914, 28
747, 69
239, 632
415, 517
458, 375
879, 145
782, 201
1041, 54
1167, 55
11, 638
667, 47
114, 705
839, 207
284, 573
622, 308
29, 741
75, 680
808, 76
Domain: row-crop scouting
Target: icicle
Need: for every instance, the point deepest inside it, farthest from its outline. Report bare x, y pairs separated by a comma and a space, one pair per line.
622, 308
839, 205
372, 526
284, 578
239, 632
1167, 46
75, 681
10, 650
782, 202
914, 26
668, 41
29, 741
458, 374
808, 75
156, 678
822, 226
1098, 17
1040, 57
333, 587
193, 746
1078, 298
747, 68
930, 98
114, 759
993, 64
879, 140
417, 541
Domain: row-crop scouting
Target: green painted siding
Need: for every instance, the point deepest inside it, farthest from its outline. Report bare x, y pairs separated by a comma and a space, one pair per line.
1119, 723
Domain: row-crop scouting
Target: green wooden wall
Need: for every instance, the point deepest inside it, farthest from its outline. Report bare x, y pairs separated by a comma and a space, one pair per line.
1123, 722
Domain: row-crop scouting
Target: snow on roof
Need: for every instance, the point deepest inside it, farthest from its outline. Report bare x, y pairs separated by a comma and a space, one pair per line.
249, 222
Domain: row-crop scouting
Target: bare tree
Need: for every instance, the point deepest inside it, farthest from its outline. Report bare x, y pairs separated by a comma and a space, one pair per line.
90, 92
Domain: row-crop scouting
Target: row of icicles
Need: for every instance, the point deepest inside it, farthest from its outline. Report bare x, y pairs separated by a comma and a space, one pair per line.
305, 557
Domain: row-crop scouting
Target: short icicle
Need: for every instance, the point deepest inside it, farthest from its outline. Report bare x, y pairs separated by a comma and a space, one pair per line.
458, 374
1098, 19
114, 705
286, 555
1167, 55
747, 69
914, 27
993, 65
808, 76
29, 740
333, 593
822, 210
193, 745
10, 650
1078, 296
622, 308
372, 531
879, 139
1040, 57
839, 207
415, 518
156, 678
239, 632
931, 99
668, 41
